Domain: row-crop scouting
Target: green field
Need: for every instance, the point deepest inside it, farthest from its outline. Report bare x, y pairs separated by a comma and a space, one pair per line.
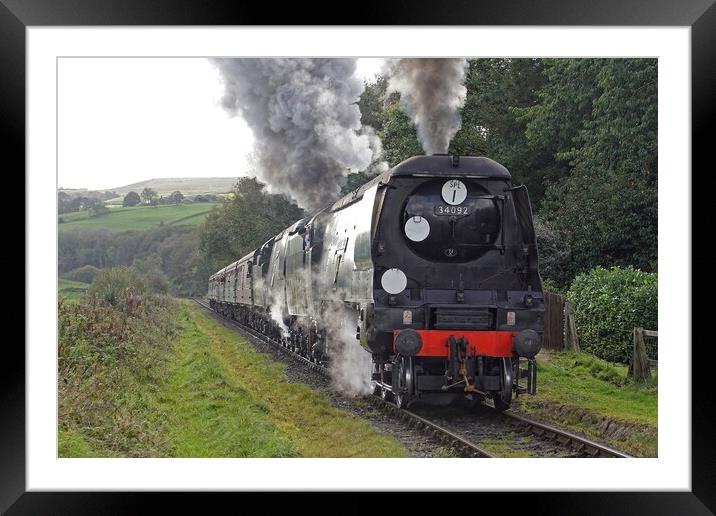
138, 218
72, 290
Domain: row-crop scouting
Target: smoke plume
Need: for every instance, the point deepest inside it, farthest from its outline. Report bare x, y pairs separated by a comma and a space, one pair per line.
305, 120
431, 94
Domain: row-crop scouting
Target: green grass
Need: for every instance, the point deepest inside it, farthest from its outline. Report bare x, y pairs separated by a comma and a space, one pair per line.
261, 397
212, 395
501, 448
72, 290
207, 413
72, 443
138, 218
581, 381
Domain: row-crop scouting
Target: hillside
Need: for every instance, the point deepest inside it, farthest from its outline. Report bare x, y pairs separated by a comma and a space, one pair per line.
186, 185
138, 218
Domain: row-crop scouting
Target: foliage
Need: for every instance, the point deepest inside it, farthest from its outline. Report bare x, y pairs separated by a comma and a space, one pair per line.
119, 287
69, 201
131, 199
372, 103
549, 285
84, 274
399, 136
176, 197
601, 116
608, 305
244, 223
104, 353
555, 259
97, 209
151, 272
149, 195
175, 248
606, 218
497, 91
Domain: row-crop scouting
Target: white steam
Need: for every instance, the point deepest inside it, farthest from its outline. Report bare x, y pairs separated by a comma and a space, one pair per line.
350, 365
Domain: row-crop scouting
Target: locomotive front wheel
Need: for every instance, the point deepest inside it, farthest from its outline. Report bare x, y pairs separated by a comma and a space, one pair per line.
401, 399
404, 388
503, 398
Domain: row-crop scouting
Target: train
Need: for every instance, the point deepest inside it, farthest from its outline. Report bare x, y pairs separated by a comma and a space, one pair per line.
432, 267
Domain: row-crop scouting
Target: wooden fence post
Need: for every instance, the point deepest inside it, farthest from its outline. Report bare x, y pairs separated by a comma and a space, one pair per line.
571, 340
640, 361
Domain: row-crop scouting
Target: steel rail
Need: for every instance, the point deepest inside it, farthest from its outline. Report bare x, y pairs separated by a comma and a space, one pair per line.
565, 437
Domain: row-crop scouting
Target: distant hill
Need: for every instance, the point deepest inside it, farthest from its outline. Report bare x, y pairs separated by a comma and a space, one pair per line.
186, 185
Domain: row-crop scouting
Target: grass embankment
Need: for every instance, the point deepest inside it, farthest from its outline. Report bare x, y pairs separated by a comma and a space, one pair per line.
303, 421
584, 393
138, 217
210, 394
72, 290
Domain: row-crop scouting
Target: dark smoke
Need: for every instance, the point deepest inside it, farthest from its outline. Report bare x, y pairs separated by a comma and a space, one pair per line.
305, 121
431, 94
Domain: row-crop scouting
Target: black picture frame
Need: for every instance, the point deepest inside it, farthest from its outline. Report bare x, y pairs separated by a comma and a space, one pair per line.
699, 15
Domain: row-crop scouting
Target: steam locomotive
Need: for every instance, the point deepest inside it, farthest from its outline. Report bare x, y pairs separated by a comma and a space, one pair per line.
431, 266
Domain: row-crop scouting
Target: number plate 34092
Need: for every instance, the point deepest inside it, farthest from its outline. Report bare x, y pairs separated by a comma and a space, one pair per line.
458, 211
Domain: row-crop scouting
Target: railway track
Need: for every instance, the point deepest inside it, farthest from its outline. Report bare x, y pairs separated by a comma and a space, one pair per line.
454, 430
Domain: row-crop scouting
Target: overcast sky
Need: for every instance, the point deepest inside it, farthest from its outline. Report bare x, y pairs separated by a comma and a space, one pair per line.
124, 120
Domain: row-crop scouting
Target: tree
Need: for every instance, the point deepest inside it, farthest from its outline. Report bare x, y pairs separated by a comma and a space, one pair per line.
399, 136
177, 197
131, 199
97, 209
244, 223
150, 270
497, 92
148, 195
607, 208
64, 202
372, 102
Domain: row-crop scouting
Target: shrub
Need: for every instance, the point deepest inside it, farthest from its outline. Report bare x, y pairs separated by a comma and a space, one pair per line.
85, 274
119, 287
608, 304
149, 269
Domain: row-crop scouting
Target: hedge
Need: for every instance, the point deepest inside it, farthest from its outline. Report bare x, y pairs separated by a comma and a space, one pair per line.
608, 304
